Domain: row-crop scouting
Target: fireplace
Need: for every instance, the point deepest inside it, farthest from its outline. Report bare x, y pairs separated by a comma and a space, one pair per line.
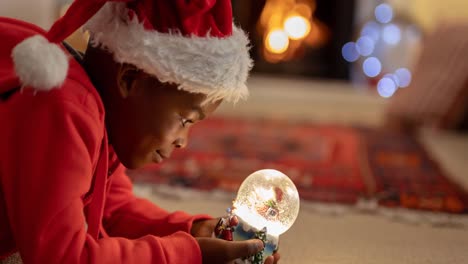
297, 38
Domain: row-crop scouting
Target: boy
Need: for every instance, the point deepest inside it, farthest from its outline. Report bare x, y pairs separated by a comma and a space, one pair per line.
69, 126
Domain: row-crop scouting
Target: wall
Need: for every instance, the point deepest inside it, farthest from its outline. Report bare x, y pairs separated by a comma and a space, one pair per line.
426, 13
39, 12
430, 12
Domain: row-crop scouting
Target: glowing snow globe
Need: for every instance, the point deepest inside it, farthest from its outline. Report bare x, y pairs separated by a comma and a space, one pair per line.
266, 206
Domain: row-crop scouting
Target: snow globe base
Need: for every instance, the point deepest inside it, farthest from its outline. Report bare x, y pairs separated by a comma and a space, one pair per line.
244, 231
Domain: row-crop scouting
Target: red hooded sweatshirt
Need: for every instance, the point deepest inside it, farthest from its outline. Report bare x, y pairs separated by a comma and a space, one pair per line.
64, 196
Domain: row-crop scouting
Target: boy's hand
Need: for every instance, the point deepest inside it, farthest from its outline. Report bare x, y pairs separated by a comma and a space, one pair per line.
204, 228
215, 250
203, 231
273, 259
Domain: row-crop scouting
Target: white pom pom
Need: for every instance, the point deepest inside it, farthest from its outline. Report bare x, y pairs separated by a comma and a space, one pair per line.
40, 64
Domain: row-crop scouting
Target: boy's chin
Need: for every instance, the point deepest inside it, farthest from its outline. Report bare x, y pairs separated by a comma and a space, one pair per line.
133, 163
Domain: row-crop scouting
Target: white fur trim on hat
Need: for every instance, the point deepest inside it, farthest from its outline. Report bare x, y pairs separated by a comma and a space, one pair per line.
217, 67
40, 64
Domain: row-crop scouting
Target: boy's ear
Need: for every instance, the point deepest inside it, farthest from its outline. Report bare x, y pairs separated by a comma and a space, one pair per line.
126, 77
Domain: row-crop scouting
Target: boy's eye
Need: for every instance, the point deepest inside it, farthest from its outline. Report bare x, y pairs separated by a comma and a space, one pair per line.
184, 122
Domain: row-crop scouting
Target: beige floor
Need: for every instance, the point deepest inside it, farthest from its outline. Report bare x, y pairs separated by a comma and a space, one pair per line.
343, 235
351, 237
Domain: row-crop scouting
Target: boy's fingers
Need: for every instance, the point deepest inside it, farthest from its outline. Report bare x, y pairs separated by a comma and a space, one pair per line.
239, 249
204, 228
276, 257
216, 250
270, 260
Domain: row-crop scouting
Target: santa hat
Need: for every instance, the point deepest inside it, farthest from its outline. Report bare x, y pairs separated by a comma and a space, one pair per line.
193, 44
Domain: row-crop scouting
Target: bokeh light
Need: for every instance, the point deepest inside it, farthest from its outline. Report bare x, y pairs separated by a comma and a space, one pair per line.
350, 52
391, 34
297, 27
404, 77
383, 13
305, 9
372, 67
386, 87
394, 77
372, 30
277, 41
365, 46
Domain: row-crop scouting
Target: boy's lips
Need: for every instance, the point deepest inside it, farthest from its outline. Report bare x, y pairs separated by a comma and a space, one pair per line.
164, 156
158, 157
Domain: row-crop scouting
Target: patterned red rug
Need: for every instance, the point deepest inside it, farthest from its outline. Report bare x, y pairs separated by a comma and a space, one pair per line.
332, 164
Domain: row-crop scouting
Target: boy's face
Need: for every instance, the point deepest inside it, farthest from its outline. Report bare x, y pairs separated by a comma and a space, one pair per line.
151, 119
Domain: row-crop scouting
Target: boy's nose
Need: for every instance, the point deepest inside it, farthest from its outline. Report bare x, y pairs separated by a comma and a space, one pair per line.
180, 143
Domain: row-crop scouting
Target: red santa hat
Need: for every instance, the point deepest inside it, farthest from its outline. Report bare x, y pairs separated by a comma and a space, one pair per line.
193, 44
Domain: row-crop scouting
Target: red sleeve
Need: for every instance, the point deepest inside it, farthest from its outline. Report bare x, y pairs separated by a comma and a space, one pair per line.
131, 217
45, 168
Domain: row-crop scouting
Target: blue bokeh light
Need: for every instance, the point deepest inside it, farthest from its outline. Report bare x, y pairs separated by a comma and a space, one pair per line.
383, 13
372, 67
350, 52
386, 87
404, 77
394, 77
372, 30
391, 34
365, 46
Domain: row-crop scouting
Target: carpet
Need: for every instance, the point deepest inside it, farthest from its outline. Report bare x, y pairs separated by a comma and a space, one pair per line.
405, 175
328, 163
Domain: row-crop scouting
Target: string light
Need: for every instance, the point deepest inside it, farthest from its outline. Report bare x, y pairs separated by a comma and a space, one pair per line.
365, 46
386, 87
372, 30
383, 13
374, 36
404, 77
277, 41
372, 67
391, 34
297, 27
350, 52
